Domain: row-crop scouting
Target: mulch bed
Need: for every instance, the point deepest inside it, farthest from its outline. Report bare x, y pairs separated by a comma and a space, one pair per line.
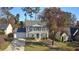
2, 40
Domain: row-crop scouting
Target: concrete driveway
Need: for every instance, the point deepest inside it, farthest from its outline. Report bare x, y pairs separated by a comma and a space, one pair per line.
16, 45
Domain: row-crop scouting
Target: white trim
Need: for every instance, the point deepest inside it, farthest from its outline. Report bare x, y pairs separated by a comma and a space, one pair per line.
75, 32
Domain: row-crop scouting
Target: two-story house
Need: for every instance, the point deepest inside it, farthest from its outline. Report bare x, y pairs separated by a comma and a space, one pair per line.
34, 29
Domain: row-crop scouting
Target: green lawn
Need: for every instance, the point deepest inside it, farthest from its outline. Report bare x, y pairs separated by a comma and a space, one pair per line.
60, 46
63, 46
36, 48
39, 46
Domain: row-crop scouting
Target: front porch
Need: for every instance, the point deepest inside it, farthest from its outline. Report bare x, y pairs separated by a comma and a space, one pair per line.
37, 35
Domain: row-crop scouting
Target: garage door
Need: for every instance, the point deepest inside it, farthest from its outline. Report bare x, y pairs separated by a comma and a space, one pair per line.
20, 35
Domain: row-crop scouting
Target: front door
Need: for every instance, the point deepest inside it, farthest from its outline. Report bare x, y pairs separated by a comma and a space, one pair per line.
37, 35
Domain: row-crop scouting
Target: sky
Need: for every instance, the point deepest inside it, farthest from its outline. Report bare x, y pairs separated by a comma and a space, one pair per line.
73, 10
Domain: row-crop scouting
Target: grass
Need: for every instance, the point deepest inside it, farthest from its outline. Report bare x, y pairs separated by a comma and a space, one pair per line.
60, 46
63, 46
73, 44
4, 46
39, 46
2, 32
35, 46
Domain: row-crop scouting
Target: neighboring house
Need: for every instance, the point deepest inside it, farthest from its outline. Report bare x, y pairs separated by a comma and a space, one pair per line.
34, 29
74, 33
65, 29
64, 37
7, 28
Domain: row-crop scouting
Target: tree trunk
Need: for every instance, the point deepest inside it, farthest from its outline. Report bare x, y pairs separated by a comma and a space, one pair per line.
53, 37
52, 42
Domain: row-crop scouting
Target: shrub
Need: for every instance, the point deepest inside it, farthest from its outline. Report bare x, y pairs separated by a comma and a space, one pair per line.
76, 38
30, 38
44, 38
10, 37
2, 32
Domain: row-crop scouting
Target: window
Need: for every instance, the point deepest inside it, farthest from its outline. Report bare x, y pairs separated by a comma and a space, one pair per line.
43, 29
37, 28
30, 28
44, 35
33, 35
34, 28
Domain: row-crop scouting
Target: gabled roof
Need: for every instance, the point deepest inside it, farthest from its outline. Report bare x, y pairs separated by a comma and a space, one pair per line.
37, 25
33, 22
21, 30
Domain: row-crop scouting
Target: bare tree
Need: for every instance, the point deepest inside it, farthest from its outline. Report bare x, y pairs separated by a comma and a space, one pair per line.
55, 18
